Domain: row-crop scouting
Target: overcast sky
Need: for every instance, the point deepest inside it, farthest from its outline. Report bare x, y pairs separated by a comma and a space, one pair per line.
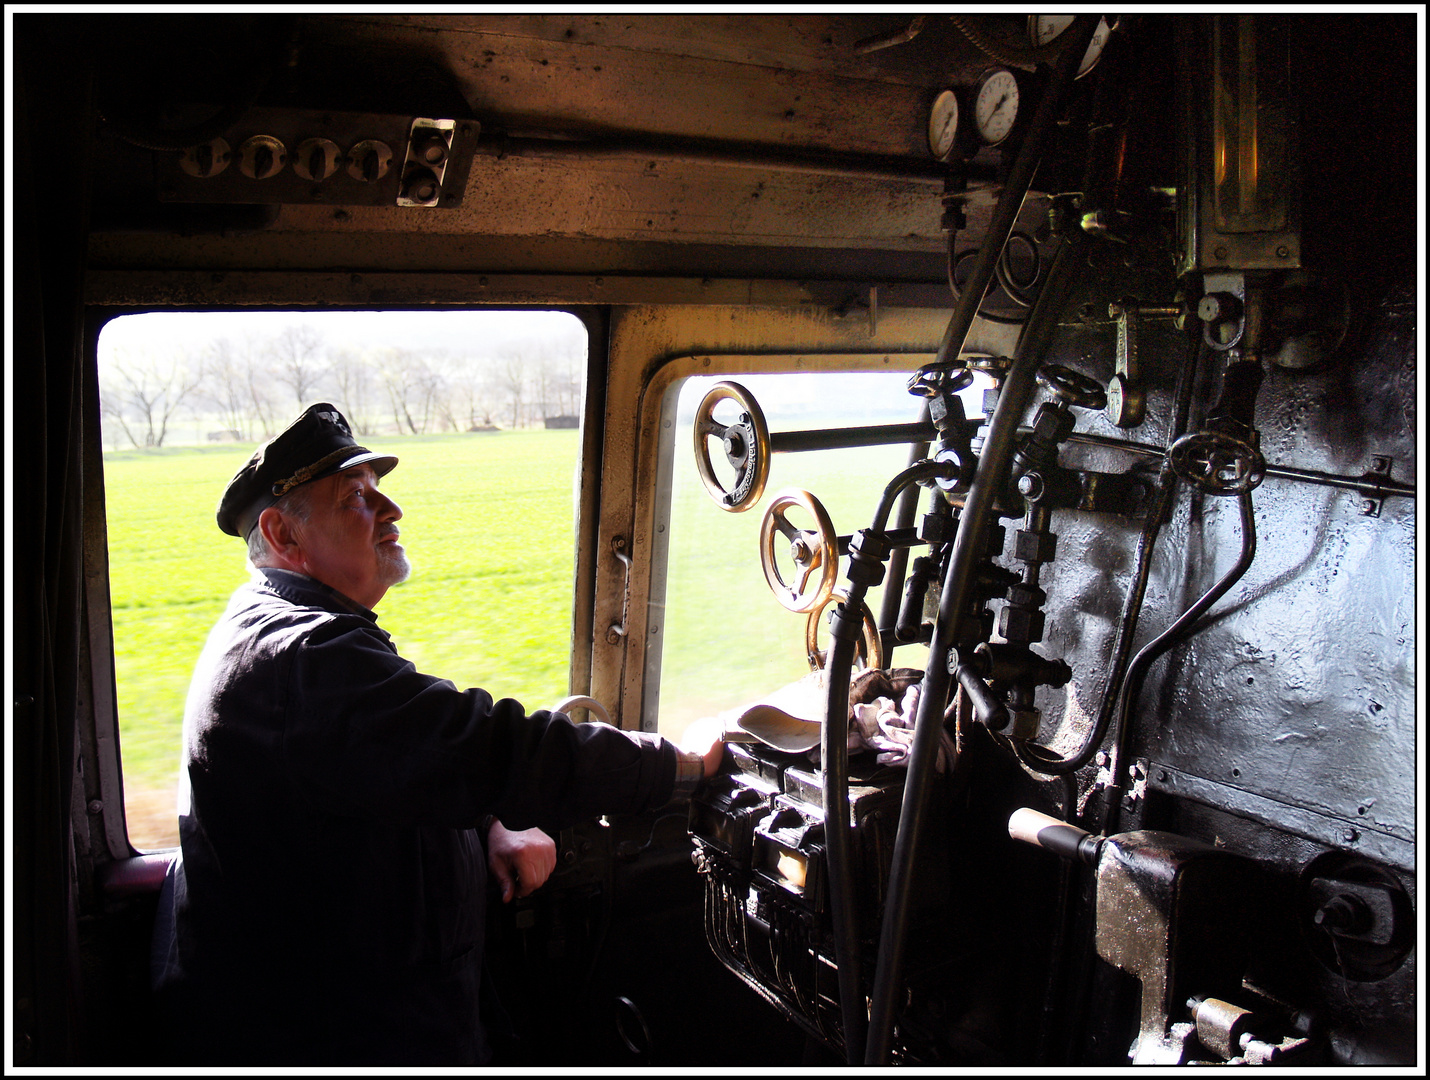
452, 331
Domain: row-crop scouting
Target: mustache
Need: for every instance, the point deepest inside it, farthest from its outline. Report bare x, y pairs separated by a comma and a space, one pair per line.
389, 530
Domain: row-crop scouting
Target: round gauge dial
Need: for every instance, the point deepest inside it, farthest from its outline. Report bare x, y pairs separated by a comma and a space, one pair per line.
995, 105
1045, 28
944, 120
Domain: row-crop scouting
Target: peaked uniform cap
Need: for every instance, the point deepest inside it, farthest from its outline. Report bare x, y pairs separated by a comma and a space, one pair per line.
318, 444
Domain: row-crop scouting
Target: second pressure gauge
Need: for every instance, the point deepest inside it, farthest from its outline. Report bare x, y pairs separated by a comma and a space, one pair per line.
997, 99
947, 126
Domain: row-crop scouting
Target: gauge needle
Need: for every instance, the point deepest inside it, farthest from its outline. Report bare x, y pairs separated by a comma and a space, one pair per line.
1001, 100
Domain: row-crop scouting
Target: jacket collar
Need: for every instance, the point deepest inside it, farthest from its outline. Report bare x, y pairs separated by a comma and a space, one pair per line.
309, 592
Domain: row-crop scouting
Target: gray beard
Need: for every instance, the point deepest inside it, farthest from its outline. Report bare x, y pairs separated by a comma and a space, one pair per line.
395, 569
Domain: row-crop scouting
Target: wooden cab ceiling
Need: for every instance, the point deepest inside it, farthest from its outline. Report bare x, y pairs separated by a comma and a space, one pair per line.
764, 145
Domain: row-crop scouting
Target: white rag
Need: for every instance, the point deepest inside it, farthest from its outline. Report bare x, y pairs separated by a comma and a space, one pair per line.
888, 729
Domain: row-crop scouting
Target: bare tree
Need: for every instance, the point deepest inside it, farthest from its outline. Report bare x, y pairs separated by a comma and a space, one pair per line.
143, 393
466, 401
413, 388
511, 374
224, 385
258, 384
352, 376
298, 363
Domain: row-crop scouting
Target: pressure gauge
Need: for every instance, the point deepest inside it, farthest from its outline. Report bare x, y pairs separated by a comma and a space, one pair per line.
1045, 28
946, 125
996, 100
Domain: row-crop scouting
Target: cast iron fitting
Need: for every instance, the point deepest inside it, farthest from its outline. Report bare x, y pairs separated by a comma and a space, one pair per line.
988, 708
1008, 663
867, 552
962, 465
909, 626
846, 624
992, 581
946, 407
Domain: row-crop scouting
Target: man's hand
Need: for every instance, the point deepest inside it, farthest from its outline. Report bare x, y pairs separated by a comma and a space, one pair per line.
520, 861
705, 737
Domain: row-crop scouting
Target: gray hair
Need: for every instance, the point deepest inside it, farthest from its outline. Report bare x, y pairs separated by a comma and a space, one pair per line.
297, 503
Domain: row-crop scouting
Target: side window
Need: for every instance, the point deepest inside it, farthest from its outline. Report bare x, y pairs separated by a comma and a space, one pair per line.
728, 640
482, 409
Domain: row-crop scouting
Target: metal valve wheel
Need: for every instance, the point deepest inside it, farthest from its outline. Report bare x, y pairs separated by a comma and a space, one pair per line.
1217, 463
869, 653
815, 551
745, 442
934, 379
1073, 387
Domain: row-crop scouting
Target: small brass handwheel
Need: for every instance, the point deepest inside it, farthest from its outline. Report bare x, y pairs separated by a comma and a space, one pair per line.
869, 653
815, 551
745, 443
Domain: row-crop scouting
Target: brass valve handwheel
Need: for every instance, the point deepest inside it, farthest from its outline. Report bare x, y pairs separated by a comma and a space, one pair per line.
868, 653
746, 444
815, 551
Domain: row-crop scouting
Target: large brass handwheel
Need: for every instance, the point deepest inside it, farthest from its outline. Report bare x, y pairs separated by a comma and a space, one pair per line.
815, 552
869, 653
745, 443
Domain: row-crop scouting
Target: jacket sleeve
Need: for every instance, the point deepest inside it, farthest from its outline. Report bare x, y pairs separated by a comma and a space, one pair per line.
370, 736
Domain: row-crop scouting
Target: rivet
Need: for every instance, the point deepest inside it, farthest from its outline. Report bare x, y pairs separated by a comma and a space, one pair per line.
1282, 252
1350, 836
1220, 253
95, 807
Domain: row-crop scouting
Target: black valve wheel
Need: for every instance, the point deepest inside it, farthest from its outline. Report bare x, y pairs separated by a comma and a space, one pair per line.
745, 443
869, 653
1217, 463
815, 551
949, 377
1073, 387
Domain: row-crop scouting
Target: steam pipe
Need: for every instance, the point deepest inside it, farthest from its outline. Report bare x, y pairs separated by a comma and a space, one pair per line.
1039, 758
972, 534
844, 632
1174, 635
899, 559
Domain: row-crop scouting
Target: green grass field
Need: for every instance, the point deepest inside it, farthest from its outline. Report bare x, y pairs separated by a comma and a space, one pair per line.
489, 527
488, 524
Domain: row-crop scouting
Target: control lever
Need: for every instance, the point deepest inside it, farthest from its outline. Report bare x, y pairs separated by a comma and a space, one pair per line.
991, 712
1042, 830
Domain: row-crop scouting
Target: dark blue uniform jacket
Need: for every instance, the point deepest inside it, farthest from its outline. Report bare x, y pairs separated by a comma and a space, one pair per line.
328, 907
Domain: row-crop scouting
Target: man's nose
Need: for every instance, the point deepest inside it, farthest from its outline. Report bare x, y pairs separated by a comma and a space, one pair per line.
390, 512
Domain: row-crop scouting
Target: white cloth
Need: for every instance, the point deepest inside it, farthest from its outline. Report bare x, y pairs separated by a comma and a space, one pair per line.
888, 729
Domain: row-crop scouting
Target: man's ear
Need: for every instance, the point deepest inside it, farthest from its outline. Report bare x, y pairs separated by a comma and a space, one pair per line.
278, 533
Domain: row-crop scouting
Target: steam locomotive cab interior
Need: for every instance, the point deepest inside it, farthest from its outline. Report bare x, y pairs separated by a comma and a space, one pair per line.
1005, 424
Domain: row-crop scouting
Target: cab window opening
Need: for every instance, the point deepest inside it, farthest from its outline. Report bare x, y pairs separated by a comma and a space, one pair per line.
727, 640
483, 410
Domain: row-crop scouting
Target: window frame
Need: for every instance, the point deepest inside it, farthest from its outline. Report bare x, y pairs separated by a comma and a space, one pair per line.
657, 424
